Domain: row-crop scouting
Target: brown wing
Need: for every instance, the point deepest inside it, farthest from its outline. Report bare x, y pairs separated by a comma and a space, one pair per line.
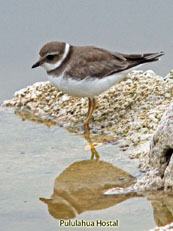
95, 62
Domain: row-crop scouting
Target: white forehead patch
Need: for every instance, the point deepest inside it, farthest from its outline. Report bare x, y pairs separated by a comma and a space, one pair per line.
52, 66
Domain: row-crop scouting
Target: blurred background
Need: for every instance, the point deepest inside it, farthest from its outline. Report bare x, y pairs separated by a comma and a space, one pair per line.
121, 25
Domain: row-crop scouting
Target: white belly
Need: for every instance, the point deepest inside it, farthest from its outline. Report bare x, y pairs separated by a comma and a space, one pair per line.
88, 87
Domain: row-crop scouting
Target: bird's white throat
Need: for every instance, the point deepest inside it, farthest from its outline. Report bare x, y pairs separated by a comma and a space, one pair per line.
53, 66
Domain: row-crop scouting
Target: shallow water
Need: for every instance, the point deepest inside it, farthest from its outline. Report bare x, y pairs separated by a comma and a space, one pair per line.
47, 174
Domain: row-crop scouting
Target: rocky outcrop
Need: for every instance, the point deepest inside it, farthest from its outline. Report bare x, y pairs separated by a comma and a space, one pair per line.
161, 149
130, 110
160, 163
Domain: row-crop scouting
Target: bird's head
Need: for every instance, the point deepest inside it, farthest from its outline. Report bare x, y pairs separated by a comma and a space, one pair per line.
52, 55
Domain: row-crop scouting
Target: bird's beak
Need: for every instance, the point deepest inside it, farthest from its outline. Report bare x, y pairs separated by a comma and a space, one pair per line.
37, 64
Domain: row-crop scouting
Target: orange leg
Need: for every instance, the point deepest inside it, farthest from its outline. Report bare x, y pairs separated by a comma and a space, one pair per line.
91, 107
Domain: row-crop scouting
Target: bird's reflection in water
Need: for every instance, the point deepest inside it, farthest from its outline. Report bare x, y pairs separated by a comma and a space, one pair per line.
81, 187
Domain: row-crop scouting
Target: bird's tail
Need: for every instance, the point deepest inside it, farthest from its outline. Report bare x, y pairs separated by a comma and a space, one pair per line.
144, 58
138, 59
152, 56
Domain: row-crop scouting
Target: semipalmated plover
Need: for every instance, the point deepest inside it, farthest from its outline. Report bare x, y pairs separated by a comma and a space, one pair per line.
87, 71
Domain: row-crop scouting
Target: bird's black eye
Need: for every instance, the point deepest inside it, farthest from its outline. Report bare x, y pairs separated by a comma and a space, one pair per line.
50, 57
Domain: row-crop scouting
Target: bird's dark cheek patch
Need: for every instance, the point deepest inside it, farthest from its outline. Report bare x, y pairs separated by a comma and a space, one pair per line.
56, 58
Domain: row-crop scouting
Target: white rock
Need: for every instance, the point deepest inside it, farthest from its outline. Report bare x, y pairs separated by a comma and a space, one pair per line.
46, 108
